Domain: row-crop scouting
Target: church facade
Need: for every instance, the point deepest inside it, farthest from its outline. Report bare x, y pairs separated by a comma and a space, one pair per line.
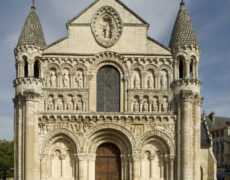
107, 102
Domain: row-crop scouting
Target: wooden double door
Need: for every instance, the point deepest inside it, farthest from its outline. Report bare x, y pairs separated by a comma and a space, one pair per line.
108, 162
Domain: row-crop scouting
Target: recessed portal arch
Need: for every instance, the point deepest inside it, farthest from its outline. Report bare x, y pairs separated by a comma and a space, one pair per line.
108, 89
108, 162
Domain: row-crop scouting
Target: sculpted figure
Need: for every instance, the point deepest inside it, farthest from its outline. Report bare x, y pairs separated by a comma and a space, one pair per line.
106, 27
163, 81
69, 105
136, 107
53, 78
136, 82
145, 106
50, 104
66, 79
164, 105
60, 105
155, 105
79, 80
150, 82
79, 106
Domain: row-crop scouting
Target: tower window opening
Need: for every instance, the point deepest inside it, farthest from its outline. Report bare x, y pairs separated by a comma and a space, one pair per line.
36, 69
25, 66
181, 69
191, 70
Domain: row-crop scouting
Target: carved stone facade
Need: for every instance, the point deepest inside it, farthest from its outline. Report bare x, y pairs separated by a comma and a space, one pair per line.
68, 109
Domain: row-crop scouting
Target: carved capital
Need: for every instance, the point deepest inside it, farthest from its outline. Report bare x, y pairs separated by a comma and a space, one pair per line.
92, 157
30, 96
187, 95
171, 157
82, 157
198, 100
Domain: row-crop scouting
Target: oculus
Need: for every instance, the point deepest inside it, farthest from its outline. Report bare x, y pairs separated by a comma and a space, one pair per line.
106, 26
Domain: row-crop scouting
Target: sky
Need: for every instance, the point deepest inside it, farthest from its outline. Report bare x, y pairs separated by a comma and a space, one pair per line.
211, 21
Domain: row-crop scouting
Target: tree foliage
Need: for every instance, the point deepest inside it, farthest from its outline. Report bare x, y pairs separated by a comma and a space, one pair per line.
6, 157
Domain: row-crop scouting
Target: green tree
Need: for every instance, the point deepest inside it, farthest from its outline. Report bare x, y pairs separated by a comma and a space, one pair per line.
6, 157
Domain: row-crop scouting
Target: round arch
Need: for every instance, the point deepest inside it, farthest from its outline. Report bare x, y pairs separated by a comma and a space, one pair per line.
108, 132
161, 137
59, 134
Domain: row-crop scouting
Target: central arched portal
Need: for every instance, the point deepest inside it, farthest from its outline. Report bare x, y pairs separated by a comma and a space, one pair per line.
108, 89
108, 162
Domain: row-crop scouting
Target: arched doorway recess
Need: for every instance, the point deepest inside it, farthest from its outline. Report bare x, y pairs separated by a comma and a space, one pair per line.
108, 89
108, 162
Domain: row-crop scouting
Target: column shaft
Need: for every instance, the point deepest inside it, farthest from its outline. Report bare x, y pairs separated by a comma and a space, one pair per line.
30, 141
186, 149
197, 142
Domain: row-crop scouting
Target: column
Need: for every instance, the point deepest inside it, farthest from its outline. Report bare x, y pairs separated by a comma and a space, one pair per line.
30, 136
167, 168
43, 166
152, 166
82, 166
162, 164
91, 166
136, 167
186, 136
197, 121
171, 161
187, 69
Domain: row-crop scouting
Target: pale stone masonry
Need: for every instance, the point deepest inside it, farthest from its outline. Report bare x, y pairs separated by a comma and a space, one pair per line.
108, 102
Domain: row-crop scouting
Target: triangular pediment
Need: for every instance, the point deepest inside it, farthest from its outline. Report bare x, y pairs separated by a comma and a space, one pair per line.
128, 34
127, 15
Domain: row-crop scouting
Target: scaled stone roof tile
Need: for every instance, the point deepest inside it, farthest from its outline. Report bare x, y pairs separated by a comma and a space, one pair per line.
183, 32
32, 33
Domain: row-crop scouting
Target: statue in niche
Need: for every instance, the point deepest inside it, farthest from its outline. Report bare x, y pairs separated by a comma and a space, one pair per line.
150, 82
136, 107
50, 105
69, 105
136, 82
164, 106
79, 106
66, 79
60, 105
79, 80
145, 106
163, 80
53, 78
107, 27
155, 105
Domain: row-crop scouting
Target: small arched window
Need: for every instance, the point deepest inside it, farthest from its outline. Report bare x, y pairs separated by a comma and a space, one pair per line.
191, 69
25, 66
181, 69
36, 69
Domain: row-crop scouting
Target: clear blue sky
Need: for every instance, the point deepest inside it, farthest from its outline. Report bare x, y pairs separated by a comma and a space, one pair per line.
211, 21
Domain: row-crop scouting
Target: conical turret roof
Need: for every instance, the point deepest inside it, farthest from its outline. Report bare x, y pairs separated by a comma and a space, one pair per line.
183, 32
32, 33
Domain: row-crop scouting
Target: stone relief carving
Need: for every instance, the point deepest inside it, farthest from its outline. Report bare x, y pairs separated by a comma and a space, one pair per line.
106, 26
53, 78
150, 104
79, 79
163, 80
70, 102
66, 78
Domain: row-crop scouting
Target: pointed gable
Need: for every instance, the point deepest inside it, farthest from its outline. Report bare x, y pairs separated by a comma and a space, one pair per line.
127, 15
82, 36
